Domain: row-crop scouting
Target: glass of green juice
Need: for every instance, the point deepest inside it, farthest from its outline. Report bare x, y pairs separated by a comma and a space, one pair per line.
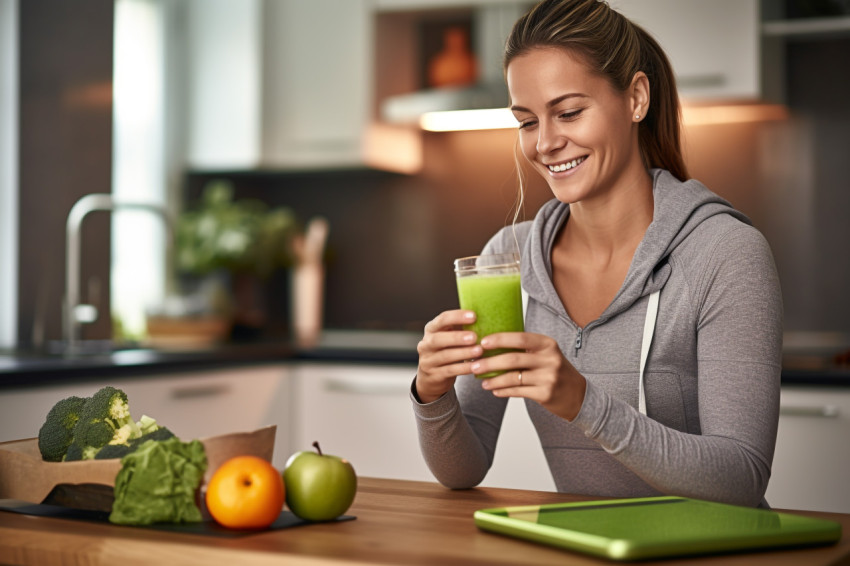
490, 286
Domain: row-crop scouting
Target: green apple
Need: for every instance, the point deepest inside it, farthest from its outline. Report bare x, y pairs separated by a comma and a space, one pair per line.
319, 487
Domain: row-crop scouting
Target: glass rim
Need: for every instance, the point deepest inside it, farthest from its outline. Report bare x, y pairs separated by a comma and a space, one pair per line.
492, 261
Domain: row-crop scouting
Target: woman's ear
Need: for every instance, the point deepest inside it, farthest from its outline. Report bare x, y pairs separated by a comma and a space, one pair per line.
639, 96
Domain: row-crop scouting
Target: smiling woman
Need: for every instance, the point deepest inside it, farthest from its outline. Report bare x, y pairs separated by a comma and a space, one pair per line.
650, 359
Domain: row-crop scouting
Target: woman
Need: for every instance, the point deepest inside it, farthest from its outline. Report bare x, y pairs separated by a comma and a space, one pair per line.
629, 257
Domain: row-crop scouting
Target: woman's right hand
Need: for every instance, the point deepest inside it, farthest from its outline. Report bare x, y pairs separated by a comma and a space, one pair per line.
445, 352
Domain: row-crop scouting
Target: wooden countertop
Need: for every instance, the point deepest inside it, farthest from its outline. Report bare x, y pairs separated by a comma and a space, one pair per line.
398, 522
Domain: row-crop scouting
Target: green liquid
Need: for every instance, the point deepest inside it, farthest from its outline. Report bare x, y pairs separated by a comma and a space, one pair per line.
497, 302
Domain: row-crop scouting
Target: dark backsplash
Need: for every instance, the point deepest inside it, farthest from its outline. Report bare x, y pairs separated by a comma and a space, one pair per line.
393, 237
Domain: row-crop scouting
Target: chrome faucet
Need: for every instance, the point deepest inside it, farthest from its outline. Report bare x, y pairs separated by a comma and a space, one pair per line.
76, 313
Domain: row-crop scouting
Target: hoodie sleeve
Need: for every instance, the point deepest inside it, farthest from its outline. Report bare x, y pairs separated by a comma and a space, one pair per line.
458, 439
739, 336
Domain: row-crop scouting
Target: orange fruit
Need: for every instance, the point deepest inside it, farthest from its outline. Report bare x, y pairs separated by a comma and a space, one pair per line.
246, 492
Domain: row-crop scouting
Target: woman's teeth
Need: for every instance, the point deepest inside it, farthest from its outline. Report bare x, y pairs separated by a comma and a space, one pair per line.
566, 166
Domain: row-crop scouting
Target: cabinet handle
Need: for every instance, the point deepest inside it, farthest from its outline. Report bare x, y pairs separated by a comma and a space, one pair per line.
199, 391
823, 411
366, 387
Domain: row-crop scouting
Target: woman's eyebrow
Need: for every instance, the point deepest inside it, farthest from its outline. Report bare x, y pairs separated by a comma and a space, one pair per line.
551, 103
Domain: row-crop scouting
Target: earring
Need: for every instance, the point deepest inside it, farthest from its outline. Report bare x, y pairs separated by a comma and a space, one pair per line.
637, 116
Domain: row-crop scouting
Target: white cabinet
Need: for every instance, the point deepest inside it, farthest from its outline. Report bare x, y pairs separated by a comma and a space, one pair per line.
276, 84
364, 413
191, 405
712, 45
316, 82
281, 85
811, 467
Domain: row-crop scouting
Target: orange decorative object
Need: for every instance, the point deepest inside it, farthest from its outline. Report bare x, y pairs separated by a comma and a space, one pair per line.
454, 65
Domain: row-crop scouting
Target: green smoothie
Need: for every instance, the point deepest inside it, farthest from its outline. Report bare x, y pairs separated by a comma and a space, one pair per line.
497, 302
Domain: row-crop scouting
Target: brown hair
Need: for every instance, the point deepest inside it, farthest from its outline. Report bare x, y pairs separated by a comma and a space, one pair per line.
615, 48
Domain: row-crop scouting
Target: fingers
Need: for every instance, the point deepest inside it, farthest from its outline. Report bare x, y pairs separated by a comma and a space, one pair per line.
444, 353
452, 319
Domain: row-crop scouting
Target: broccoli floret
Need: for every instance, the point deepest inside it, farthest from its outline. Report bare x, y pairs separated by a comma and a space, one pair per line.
112, 451
104, 419
57, 432
147, 425
74, 453
161, 433
121, 450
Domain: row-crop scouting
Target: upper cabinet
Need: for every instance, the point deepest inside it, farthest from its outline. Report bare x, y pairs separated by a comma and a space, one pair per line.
714, 46
285, 84
316, 88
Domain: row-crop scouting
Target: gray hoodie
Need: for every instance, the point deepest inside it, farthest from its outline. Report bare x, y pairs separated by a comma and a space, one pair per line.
712, 375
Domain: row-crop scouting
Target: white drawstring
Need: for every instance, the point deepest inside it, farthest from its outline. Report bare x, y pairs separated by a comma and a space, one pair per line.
648, 332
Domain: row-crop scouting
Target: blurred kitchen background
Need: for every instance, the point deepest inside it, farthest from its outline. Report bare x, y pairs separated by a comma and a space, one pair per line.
312, 108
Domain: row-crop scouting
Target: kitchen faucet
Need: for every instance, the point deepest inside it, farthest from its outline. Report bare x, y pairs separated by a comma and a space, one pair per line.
76, 313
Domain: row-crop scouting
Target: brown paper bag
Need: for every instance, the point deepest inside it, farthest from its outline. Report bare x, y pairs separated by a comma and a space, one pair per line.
26, 477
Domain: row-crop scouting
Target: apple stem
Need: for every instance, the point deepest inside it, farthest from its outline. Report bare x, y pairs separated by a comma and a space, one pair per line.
316, 445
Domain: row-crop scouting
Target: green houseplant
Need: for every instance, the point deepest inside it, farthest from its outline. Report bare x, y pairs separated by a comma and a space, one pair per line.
226, 249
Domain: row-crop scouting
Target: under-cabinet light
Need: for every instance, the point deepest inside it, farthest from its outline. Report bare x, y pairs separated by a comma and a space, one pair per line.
458, 120
732, 114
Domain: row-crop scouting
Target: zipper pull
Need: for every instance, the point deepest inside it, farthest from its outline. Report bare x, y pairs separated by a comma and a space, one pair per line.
578, 339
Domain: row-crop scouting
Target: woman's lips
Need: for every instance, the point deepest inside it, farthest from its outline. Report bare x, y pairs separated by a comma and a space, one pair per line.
566, 165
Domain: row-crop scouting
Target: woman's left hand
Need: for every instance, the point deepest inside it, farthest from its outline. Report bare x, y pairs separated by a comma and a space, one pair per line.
536, 369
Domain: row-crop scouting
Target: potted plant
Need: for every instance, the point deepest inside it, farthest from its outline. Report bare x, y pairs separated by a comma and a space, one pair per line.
225, 249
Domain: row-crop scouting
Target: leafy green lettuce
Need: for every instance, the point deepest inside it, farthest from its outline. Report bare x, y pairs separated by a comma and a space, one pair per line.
158, 482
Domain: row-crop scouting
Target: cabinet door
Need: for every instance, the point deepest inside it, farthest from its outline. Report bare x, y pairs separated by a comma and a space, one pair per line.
316, 82
363, 413
712, 45
811, 466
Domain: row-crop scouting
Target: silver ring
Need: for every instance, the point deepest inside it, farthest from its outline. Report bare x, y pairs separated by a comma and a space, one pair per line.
520, 377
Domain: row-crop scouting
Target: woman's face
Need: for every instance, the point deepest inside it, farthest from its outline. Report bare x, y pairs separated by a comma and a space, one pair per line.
576, 130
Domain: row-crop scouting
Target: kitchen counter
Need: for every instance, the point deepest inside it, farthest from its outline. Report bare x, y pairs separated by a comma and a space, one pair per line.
349, 346
398, 522
28, 369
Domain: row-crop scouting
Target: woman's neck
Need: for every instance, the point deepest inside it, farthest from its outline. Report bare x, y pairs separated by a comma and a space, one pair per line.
610, 223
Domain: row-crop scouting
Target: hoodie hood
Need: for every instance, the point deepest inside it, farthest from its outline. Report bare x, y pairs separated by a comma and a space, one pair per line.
679, 208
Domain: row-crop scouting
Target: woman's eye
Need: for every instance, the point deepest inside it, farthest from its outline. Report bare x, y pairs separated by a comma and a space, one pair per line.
570, 114
526, 124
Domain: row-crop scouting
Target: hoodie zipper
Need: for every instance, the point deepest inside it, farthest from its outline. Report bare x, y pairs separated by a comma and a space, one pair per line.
578, 339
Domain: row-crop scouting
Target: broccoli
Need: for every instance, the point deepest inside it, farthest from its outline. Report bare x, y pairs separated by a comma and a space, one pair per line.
99, 427
74, 453
121, 450
147, 425
57, 432
104, 419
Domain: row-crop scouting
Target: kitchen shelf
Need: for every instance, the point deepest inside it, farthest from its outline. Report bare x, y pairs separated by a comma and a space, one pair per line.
808, 28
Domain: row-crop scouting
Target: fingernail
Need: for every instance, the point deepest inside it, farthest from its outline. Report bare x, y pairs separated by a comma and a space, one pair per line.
485, 342
469, 315
475, 367
469, 337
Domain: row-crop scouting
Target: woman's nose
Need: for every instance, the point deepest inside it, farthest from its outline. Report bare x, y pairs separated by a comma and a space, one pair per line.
548, 138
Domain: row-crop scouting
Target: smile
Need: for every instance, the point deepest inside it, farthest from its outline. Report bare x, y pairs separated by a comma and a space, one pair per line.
567, 165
